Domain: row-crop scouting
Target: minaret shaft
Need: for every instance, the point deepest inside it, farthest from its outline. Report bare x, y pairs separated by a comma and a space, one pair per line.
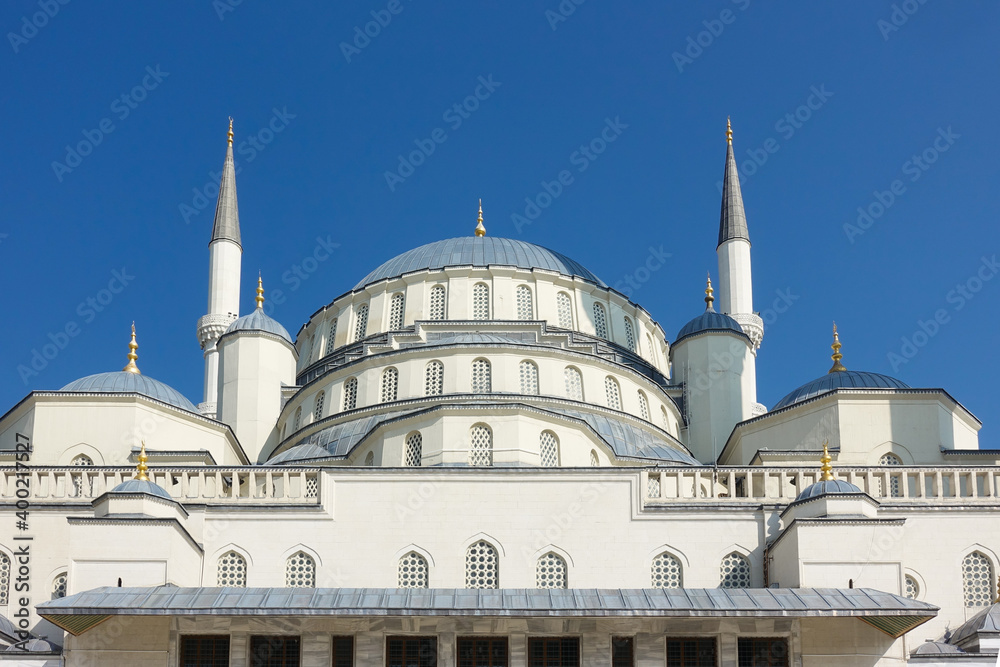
225, 256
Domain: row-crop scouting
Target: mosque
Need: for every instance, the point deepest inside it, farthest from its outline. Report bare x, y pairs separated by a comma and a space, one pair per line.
480, 455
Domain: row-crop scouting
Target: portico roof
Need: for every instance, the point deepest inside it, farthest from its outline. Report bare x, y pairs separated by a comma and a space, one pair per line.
892, 614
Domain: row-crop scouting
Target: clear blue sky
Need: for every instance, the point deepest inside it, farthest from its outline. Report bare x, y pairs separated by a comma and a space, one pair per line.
887, 92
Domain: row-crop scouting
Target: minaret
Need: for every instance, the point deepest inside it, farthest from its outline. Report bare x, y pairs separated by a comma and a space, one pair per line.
735, 282
224, 258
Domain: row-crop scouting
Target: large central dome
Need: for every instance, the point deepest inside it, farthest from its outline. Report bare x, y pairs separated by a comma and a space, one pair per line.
478, 251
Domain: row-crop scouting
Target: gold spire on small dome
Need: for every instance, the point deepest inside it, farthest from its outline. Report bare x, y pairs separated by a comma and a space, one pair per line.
480, 229
709, 299
130, 367
142, 468
729, 131
260, 292
837, 356
826, 468
230, 131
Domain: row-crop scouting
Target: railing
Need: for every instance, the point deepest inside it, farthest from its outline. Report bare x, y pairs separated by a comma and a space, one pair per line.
237, 485
887, 484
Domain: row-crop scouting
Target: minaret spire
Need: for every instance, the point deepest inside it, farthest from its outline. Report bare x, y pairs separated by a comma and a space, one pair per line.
826, 470
227, 213
260, 292
708, 295
733, 219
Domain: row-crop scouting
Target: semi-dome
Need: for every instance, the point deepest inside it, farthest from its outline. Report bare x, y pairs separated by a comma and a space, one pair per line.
935, 648
708, 321
117, 382
142, 486
478, 251
826, 486
258, 320
837, 380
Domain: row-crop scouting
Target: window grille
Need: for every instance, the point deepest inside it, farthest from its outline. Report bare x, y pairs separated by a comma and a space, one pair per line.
300, 571
437, 311
318, 410
574, 383
666, 572
232, 571
434, 379
912, 588
643, 406
481, 302
414, 450
361, 324
549, 449
613, 393
977, 580
481, 448
564, 309
523, 297
396, 312
482, 566
351, 394
412, 571
550, 572
59, 587
600, 321
390, 385
735, 571
331, 336
529, 378
629, 335
481, 377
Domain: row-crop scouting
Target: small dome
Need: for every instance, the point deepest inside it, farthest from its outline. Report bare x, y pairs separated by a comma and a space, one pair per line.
988, 620
825, 487
258, 320
709, 321
478, 251
836, 380
935, 648
142, 486
117, 382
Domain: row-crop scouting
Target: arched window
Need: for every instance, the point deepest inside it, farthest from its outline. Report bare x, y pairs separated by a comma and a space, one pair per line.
59, 586
650, 349
351, 394
548, 449
312, 348
613, 393
664, 419
523, 297
437, 311
297, 421
564, 309
482, 382
735, 571
414, 450
550, 572
361, 324
666, 572
977, 580
390, 385
600, 321
304, 352
370, 459
434, 379
895, 490
81, 481
594, 461
574, 383
412, 571
481, 446
482, 566
529, 377
4, 579
629, 335
318, 409
300, 571
643, 406
331, 337
396, 312
481, 302
912, 588
232, 571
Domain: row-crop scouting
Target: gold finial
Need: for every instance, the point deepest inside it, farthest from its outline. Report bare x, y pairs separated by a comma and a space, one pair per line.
130, 367
708, 294
826, 468
140, 470
837, 356
230, 130
260, 292
729, 131
480, 230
